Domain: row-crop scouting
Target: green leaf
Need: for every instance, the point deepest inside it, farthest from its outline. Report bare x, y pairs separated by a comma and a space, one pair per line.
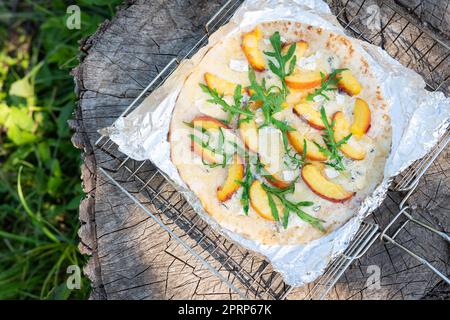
22, 88
292, 65
218, 99
245, 197
19, 136
44, 153
53, 185
344, 140
21, 118
4, 113
293, 207
74, 203
329, 84
273, 207
315, 222
285, 217
35, 218
281, 60
290, 52
331, 151
64, 115
60, 292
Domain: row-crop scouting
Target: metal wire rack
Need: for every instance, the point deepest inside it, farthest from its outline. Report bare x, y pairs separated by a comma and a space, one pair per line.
404, 217
247, 273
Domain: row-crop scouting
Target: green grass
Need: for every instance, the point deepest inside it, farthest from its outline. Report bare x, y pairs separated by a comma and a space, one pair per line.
40, 186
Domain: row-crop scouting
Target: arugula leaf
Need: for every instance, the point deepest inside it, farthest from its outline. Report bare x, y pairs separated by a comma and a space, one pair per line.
315, 222
273, 207
279, 191
220, 148
284, 128
218, 99
206, 146
245, 197
328, 84
237, 96
331, 151
281, 60
304, 152
285, 217
198, 128
261, 170
290, 206
272, 100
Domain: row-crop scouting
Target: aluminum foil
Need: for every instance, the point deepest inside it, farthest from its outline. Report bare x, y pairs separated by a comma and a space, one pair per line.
419, 118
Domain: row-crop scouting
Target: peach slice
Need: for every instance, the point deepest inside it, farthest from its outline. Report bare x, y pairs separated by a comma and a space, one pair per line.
300, 48
312, 152
275, 179
254, 56
306, 111
361, 118
231, 185
304, 79
249, 133
204, 153
351, 149
254, 105
324, 188
296, 96
222, 86
348, 83
259, 200
207, 122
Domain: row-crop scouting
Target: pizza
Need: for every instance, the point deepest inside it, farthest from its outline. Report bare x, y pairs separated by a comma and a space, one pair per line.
281, 131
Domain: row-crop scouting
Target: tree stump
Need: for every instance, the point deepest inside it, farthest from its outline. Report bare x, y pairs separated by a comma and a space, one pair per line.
131, 257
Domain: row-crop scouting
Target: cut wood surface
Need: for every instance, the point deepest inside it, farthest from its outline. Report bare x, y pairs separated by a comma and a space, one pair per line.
131, 256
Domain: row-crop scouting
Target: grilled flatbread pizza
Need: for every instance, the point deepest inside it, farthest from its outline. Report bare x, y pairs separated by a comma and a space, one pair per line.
281, 131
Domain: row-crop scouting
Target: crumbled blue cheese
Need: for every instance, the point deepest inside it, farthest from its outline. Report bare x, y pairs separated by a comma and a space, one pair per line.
340, 99
289, 175
333, 62
238, 65
319, 98
331, 173
323, 61
309, 63
354, 177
